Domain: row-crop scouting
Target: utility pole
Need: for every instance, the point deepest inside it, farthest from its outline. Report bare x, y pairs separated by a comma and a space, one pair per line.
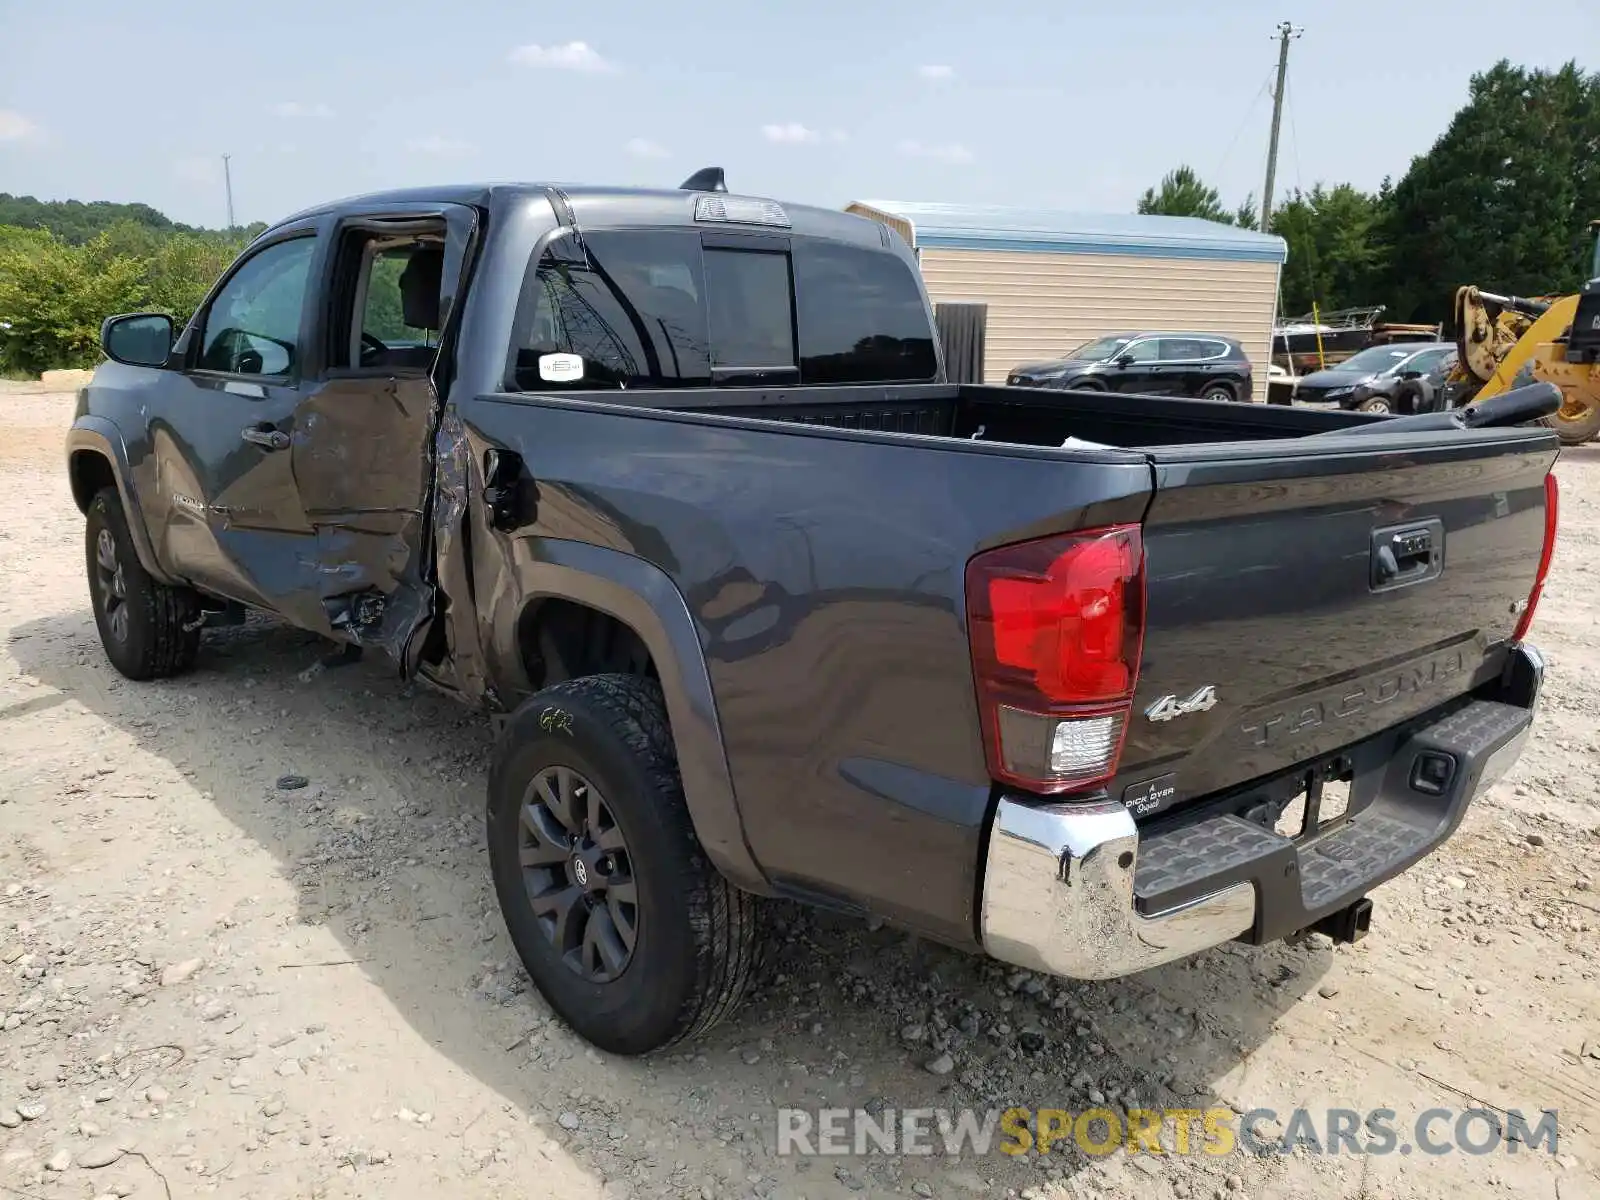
1286, 32
227, 174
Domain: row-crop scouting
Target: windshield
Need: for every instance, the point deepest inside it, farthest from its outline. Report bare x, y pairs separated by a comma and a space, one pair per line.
1100, 349
1378, 359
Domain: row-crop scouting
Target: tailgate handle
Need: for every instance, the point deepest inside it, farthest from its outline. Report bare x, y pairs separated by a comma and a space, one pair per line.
1406, 554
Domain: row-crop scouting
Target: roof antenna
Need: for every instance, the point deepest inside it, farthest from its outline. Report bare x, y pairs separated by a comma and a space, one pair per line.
706, 179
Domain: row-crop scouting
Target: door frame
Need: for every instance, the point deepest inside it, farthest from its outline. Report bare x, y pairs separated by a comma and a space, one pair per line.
462, 223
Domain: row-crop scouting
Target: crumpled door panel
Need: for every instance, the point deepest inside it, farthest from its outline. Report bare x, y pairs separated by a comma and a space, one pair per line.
362, 462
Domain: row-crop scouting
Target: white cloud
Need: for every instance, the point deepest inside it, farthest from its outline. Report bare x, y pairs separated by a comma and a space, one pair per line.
645, 148
14, 127
434, 144
295, 108
946, 152
790, 132
936, 71
569, 56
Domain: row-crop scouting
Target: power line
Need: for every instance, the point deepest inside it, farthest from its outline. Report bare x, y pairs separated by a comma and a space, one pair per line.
1300, 186
1266, 86
1294, 135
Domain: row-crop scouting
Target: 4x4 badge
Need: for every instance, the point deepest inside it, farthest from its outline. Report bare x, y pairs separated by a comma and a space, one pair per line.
1168, 707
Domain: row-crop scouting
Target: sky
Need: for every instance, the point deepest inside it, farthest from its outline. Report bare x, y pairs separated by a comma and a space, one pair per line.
1042, 103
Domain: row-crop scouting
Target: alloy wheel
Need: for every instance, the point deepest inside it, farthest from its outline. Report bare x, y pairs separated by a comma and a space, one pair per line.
112, 582
577, 874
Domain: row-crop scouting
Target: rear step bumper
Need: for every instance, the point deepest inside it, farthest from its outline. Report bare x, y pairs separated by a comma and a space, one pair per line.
1078, 890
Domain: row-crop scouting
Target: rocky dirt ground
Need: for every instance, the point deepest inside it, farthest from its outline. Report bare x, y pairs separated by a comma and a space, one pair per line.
211, 984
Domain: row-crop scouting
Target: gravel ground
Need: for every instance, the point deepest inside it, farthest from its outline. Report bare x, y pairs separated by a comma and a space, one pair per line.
211, 984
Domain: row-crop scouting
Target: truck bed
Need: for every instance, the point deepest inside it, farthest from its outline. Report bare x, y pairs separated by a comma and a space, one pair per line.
818, 538
1017, 416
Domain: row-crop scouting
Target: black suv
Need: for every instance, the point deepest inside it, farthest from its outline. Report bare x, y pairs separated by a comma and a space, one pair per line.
1206, 365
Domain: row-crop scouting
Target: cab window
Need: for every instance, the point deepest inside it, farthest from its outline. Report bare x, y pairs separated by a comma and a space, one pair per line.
665, 308
389, 300
624, 310
253, 325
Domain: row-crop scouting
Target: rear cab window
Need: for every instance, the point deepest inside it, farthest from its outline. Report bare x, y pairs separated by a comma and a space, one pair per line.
665, 308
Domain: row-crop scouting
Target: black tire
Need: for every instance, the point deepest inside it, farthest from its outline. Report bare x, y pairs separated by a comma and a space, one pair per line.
1218, 391
1376, 404
1576, 430
694, 934
149, 630
1415, 396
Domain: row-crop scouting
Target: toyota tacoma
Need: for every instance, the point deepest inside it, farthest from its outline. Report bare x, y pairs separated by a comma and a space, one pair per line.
672, 485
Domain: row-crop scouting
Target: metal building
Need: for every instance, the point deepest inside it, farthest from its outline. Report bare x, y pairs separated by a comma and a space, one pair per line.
1053, 280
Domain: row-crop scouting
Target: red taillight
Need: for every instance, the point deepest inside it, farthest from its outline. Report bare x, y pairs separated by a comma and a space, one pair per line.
1551, 498
1056, 626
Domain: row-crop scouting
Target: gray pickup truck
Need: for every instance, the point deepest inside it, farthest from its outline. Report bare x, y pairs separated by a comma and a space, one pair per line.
672, 484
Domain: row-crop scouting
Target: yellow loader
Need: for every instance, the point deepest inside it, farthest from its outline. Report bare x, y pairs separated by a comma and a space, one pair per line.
1508, 341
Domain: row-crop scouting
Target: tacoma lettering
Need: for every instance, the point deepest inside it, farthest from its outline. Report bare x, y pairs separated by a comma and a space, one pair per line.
1309, 715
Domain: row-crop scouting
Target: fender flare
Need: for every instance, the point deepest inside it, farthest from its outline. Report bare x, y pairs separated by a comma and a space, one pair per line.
97, 435
642, 597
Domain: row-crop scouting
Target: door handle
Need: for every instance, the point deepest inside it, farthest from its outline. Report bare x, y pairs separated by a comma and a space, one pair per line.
266, 437
1406, 554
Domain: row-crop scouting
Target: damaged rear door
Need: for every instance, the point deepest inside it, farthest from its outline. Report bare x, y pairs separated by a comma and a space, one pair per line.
362, 453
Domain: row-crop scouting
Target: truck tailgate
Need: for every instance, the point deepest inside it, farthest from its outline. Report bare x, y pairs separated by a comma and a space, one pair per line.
1305, 593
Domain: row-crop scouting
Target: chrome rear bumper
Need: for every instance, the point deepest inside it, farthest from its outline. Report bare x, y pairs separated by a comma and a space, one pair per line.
1059, 878
1058, 896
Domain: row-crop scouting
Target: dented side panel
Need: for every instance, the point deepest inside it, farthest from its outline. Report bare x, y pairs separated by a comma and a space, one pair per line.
462, 668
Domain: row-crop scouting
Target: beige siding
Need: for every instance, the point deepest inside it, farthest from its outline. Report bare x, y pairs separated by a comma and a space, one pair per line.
1041, 305
898, 224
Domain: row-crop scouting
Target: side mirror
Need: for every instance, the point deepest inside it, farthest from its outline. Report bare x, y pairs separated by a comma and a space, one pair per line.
1123, 360
1410, 373
138, 339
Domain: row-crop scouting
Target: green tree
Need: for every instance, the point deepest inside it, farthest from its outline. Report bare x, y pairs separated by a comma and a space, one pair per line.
1337, 248
53, 296
181, 269
76, 221
1503, 196
1182, 193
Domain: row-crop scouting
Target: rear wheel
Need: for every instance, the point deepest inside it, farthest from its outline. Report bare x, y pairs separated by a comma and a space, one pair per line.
149, 630
1217, 391
626, 929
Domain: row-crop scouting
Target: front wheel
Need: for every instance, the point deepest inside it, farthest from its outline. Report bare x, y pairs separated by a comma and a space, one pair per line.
1376, 404
626, 929
148, 629
1577, 421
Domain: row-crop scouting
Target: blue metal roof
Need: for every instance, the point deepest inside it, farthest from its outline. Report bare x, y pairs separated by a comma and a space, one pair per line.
996, 227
